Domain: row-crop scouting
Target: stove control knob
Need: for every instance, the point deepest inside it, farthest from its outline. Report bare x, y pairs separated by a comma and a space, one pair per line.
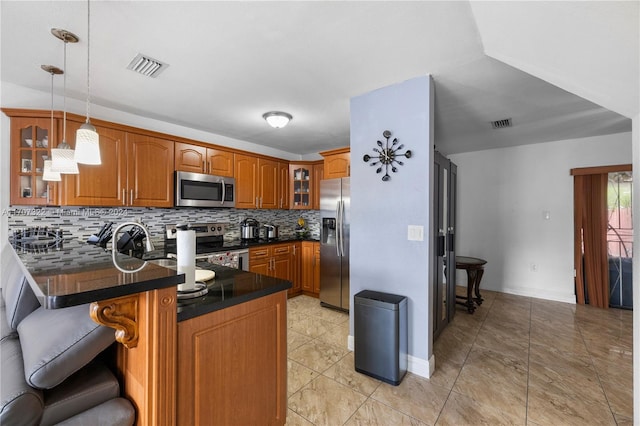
219, 228
213, 228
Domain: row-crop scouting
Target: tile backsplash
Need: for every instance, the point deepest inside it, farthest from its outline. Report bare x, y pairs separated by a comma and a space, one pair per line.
81, 222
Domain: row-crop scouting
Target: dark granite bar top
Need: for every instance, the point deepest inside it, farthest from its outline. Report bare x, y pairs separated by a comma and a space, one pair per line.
74, 273
229, 287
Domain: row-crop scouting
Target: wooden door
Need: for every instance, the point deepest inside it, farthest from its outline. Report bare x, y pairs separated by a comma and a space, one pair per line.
150, 163
190, 158
316, 268
104, 184
268, 181
283, 185
337, 166
28, 139
246, 175
316, 177
219, 162
308, 254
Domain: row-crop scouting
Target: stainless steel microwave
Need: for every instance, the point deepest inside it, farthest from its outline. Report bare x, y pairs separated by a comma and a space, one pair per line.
202, 190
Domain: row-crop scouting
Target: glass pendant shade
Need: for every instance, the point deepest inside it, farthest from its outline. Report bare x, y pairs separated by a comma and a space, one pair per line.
63, 161
48, 174
87, 145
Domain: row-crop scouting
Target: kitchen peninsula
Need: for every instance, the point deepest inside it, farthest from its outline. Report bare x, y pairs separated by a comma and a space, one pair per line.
216, 359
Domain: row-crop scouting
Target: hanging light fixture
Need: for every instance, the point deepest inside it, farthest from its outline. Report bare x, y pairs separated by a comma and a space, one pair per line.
48, 174
277, 119
62, 157
87, 138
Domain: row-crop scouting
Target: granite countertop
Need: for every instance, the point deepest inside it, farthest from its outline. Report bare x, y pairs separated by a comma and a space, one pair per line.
229, 287
73, 273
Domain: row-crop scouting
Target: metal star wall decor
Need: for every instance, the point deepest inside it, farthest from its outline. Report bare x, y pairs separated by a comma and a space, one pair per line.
387, 156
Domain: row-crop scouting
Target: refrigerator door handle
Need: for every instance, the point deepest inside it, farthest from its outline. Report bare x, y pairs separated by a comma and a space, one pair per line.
339, 228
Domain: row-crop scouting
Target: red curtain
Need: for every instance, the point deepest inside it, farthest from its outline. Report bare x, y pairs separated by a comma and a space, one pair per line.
590, 239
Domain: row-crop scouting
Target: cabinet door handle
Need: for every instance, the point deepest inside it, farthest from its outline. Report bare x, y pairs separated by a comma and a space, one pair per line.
124, 197
204, 166
131, 197
209, 167
294, 250
48, 193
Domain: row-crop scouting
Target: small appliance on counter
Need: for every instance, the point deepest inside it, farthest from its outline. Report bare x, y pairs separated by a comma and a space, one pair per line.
249, 229
270, 231
186, 262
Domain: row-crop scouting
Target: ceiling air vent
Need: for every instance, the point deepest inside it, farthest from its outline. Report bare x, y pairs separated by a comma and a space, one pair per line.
501, 124
146, 66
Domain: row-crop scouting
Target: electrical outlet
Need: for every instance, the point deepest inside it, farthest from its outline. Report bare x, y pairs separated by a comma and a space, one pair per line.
415, 233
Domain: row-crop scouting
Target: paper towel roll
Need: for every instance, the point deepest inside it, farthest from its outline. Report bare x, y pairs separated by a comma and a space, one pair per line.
186, 248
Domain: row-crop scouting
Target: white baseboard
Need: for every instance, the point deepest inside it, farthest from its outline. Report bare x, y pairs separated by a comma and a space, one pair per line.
546, 295
415, 365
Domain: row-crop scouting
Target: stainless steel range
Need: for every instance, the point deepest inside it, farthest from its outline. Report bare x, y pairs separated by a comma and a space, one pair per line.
210, 245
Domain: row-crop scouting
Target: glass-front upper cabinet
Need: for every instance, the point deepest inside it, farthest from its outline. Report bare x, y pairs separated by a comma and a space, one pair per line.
30, 146
301, 186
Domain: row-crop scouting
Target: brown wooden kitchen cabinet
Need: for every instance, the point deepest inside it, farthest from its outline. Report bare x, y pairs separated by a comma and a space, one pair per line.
301, 187
103, 185
136, 171
317, 176
232, 365
283, 185
31, 142
337, 163
311, 268
258, 182
200, 159
280, 261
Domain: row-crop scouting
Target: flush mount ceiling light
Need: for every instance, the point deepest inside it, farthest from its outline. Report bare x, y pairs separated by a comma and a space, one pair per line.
277, 119
87, 138
62, 157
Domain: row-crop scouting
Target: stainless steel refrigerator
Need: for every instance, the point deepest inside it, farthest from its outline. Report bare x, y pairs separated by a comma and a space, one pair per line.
334, 243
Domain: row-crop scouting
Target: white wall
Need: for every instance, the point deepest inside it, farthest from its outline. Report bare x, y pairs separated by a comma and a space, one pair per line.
381, 257
502, 196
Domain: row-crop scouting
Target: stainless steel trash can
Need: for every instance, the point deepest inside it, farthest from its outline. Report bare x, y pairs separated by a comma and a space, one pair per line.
380, 327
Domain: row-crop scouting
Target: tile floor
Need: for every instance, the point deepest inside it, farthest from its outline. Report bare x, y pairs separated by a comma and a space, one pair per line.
517, 360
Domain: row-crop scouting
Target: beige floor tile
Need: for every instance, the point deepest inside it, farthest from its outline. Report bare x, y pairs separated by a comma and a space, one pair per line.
295, 419
337, 335
298, 376
620, 397
462, 410
494, 337
344, 372
546, 406
623, 421
326, 402
317, 355
331, 315
295, 340
490, 377
446, 373
311, 326
415, 396
373, 413
569, 379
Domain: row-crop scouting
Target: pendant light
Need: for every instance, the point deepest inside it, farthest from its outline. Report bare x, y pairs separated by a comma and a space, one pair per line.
63, 156
87, 139
47, 174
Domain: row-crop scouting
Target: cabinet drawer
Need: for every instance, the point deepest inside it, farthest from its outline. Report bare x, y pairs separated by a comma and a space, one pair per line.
259, 253
280, 250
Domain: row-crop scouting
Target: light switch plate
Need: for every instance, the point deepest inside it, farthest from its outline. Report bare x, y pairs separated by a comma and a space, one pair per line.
415, 233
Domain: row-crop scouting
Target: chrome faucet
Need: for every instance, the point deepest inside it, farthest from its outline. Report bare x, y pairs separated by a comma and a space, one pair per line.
148, 244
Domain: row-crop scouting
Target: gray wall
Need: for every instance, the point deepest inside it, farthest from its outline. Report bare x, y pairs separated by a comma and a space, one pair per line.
381, 256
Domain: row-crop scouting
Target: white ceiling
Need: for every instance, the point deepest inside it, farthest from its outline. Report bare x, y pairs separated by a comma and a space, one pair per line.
229, 62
